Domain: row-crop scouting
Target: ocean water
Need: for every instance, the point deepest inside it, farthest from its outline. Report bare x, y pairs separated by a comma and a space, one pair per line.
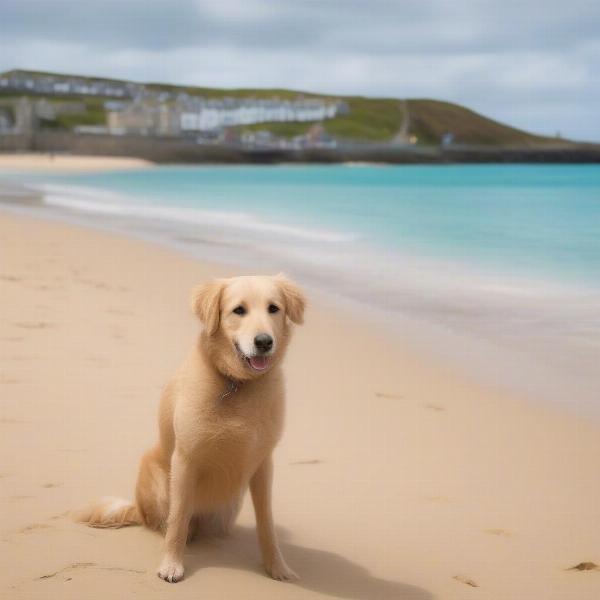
501, 256
541, 221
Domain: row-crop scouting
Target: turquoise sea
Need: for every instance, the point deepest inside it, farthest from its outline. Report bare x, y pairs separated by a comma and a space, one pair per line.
505, 257
542, 221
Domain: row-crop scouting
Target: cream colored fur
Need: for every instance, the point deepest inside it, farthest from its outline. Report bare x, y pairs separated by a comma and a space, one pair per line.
212, 447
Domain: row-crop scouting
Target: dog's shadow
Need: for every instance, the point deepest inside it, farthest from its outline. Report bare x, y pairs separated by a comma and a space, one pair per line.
320, 571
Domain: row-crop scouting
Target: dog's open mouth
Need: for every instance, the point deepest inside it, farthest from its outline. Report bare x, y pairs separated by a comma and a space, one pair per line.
257, 363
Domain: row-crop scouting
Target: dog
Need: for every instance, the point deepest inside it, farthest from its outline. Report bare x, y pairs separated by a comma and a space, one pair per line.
220, 418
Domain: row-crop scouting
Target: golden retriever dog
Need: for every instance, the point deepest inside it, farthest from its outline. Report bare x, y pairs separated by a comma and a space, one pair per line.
220, 418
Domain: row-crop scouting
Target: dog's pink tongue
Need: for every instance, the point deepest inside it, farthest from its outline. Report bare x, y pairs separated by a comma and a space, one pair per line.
259, 362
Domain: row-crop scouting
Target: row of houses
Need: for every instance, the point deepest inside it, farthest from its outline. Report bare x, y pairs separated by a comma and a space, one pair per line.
188, 114
195, 113
148, 116
61, 85
199, 114
141, 110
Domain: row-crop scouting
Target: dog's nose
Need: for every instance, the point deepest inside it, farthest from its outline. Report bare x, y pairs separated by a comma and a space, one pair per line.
263, 342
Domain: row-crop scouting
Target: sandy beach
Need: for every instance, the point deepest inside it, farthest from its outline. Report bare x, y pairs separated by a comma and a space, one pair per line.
67, 163
396, 478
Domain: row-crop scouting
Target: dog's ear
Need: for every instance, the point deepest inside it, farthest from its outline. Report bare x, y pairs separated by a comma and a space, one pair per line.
206, 304
294, 299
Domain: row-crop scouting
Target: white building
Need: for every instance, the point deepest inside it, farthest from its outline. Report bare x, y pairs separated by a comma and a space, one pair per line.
206, 115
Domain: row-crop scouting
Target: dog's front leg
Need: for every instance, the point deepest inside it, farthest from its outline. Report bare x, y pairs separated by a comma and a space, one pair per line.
260, 488
180, 510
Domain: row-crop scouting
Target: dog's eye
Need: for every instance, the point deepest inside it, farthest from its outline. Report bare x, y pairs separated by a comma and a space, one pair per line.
239, 310
273, 308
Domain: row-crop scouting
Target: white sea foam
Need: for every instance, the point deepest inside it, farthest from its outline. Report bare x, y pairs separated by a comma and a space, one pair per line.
91, 200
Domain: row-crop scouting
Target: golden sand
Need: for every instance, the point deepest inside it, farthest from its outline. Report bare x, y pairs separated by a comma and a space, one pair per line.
396, 478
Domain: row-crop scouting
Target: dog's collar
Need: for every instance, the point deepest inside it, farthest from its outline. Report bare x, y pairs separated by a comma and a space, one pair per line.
232, 387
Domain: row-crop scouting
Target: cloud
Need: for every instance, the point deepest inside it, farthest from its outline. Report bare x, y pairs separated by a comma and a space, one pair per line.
533, 64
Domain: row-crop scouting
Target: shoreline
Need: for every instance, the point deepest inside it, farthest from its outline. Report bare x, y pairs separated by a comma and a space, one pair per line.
396, 476
458, 327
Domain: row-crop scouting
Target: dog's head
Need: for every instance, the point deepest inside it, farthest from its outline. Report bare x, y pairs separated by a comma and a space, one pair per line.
246, 328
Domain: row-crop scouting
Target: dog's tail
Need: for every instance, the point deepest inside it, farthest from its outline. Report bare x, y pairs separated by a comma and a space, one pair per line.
109, 512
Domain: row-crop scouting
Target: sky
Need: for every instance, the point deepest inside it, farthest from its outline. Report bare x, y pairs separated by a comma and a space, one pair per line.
532, 64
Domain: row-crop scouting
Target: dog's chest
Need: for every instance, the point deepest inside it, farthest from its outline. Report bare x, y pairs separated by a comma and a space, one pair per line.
255, 421
240, 429
233, 442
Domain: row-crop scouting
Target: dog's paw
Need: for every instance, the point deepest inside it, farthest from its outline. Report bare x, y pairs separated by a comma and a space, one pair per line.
279, 571
170, 570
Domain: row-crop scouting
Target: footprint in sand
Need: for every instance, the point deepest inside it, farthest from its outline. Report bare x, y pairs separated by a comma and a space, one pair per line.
389, 396
499, 532
9, 278
585, 566
313, 461
465, 580
435, 407
51, 485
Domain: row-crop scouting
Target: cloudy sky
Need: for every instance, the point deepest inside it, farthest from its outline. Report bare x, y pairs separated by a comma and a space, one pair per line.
534, 64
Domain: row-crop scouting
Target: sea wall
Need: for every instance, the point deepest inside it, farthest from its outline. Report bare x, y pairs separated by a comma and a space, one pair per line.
176, 150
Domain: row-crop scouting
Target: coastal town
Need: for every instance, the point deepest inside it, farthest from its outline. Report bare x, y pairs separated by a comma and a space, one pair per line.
59, 113
30, 102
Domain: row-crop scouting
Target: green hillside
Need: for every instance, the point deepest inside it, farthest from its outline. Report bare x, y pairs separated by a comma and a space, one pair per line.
375, 120
431, 119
